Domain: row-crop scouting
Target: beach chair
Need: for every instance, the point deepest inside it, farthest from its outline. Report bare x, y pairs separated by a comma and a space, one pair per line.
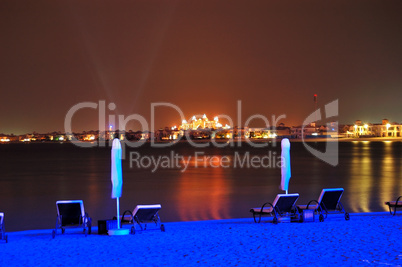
283, 206
143, 215
3, 235
394, 204
328, 202
71, 214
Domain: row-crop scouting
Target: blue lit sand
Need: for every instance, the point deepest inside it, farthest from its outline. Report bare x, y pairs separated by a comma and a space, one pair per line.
364, 240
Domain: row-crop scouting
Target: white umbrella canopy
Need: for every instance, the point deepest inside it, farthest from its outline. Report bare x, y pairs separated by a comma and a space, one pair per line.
117, 175
285, 168
117, 184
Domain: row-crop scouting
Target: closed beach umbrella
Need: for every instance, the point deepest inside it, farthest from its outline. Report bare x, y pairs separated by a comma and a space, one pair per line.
117, 176
285, 168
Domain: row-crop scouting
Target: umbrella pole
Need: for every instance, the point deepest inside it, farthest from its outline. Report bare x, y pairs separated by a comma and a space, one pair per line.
118, 213
118, 231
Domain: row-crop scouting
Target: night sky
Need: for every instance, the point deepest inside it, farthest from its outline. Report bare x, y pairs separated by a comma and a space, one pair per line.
202, 56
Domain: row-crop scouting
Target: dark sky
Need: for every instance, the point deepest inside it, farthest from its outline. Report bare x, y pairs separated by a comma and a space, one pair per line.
202, 56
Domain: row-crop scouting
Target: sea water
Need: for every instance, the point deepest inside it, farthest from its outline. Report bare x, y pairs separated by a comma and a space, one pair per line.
190, 183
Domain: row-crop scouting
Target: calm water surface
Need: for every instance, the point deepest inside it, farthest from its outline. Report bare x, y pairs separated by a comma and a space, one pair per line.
34, 176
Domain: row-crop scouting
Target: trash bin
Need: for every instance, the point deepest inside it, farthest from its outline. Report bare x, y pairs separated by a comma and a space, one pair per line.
308, 216
105, 225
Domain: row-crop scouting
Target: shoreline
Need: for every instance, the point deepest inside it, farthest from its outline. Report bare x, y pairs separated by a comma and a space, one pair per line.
221, 141
265, 219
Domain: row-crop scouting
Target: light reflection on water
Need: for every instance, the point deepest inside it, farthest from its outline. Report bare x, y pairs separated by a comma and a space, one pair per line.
361, 180
35, 176
375, 175
388, 181
203, 195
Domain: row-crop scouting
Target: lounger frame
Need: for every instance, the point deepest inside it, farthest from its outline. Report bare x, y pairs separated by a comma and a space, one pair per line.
284, 205
71, 214
143, 215
329, 202
394, 204
3, 235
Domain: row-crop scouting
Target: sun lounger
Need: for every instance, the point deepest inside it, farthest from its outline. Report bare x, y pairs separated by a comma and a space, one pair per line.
283, 206
142, 215
328, 202
71, 213
394, 204
3, 235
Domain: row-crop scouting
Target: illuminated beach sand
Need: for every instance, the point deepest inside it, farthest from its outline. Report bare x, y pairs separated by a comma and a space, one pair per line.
364, 240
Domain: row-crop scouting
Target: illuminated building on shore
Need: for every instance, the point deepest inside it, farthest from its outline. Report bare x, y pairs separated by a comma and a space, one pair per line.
4, 139
385, 129
202, 123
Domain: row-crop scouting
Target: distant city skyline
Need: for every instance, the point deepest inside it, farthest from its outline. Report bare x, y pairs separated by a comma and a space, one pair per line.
194, 123
202, 56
